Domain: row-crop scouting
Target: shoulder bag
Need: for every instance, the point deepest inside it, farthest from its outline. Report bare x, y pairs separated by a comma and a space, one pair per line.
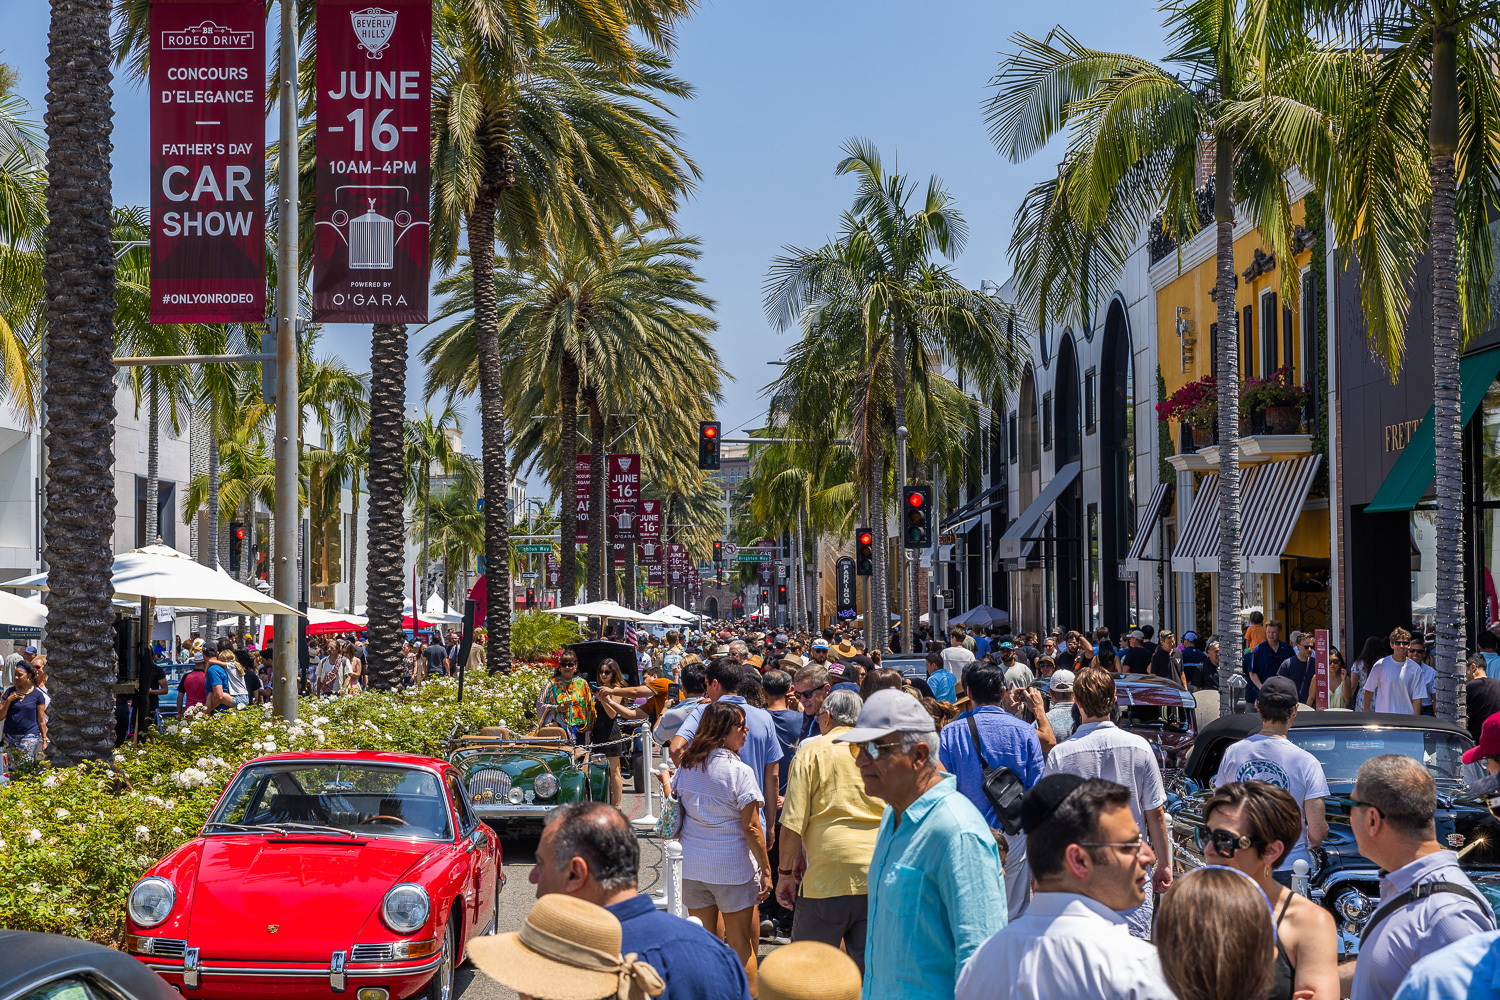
1002, 787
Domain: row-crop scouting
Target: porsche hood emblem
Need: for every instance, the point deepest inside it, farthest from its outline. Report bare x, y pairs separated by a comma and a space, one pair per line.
272, 928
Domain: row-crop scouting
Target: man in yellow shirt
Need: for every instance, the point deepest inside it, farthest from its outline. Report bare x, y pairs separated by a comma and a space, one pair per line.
828, 820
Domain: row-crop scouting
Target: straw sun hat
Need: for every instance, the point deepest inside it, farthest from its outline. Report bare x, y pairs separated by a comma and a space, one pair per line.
568, 949
808, 970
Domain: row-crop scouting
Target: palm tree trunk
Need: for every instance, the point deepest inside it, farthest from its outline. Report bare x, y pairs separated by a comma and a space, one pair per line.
630, 574
1446, 406
426, 520
878, 621
79, 394
481, 226
385, 563
902, 563
1228, 377
567, 577
597, 556
353, 541
153, 460
213, 541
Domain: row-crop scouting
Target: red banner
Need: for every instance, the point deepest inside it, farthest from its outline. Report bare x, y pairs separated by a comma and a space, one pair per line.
648, 524
208, 156
374, 120
624, 496
618, 549
552, 570
677, 562
1320, 684
582, 478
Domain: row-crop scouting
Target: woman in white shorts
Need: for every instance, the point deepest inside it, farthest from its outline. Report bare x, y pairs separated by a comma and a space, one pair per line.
725, 868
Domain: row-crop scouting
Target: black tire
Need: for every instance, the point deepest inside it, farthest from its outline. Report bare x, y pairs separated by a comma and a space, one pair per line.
440, 986
638, 772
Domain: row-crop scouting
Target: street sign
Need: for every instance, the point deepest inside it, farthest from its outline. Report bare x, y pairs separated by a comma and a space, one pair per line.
534, 548
754, 555
843, 588
531, 575
948, 601
731, 549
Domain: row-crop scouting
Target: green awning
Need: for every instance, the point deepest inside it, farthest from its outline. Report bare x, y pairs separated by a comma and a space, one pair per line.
1407, 482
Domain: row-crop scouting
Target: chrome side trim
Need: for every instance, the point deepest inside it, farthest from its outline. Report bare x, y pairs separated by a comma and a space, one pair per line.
298, 972
337, 977
190, 969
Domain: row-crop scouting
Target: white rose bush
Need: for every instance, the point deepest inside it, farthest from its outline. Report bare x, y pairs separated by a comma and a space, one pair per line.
85, 835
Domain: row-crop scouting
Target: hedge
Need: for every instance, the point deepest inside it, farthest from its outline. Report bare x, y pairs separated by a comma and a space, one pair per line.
78, 839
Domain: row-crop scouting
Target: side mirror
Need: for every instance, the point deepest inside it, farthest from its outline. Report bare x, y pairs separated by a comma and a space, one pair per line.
479, 838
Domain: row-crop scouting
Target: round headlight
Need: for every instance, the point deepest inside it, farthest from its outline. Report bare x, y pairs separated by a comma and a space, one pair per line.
516, 796
1354, 906
545, 785
151, 901
406, 908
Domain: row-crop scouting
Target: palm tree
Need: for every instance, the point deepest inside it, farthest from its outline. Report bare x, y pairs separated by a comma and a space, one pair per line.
385, 566
1137, 133
1420, 162
22, 217
455, 528
429, 445
540, 122
80, 387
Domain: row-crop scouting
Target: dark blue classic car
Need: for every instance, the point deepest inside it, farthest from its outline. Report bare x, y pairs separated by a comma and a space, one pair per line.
1341, 879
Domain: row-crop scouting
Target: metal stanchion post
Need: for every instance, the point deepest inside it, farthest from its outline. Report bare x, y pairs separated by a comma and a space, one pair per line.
647, 821
674, 879
1300, 881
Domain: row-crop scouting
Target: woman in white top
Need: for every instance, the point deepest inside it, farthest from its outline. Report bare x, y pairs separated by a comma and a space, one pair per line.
725, 868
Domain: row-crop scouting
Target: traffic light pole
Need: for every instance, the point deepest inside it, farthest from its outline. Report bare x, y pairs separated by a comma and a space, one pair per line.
284, 578
903, 565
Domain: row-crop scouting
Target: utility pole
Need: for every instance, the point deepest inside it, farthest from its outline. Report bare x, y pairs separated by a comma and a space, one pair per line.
288, 409
903, 564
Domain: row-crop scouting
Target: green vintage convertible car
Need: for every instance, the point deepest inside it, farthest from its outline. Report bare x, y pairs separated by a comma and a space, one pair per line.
514, 781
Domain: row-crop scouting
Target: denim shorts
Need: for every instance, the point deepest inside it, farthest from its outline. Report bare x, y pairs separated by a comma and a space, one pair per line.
698, 895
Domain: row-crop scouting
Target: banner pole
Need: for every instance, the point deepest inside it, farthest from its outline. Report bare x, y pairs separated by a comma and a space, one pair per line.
288, 412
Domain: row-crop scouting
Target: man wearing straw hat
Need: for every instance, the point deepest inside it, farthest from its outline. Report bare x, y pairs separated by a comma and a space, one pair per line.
568, 949
588, 850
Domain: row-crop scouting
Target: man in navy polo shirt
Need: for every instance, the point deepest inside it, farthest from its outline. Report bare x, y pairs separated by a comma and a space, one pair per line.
588, 850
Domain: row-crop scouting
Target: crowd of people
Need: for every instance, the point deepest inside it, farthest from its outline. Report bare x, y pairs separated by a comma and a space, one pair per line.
980, 827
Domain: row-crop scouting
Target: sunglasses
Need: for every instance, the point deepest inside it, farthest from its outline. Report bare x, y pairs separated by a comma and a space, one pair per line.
872, 748
1227, 842
1130, 848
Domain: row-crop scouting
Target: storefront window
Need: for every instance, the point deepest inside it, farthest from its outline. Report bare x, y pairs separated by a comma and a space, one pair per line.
1424, 567
1489, 430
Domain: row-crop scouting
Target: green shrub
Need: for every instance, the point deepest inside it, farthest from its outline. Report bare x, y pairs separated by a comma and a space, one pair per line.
534, 634
78, 839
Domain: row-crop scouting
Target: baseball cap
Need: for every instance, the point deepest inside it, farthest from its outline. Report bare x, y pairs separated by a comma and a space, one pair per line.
197, 657
1007, 644
1489, 741
820, 644
889, 711
31, 650
1137, 634
780, 637
1279, 691
1045, 796
1061, 680
836, 669
1190, 637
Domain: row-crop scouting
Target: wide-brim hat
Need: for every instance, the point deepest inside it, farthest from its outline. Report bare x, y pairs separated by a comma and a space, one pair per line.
845, 648
809, 970
568, 949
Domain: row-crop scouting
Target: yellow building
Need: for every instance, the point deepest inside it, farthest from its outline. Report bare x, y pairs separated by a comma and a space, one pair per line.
1284, 522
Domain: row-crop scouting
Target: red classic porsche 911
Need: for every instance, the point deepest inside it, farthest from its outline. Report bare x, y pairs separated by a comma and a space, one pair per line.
323, 872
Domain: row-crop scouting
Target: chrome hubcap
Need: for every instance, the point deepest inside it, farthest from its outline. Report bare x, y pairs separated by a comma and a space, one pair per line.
445, 970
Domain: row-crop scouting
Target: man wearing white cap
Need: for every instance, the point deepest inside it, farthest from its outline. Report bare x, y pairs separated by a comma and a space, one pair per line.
935, 887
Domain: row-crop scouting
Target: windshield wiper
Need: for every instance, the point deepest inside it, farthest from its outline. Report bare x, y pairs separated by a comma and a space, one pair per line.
243, 828
317, 827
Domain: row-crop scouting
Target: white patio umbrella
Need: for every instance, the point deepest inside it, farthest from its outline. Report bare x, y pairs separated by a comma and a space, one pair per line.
170, 577
660, 617
680, 614
436, 611
598, 609
19, 611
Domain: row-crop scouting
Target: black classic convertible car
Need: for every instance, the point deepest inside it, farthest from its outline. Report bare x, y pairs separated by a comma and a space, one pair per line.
1341, 879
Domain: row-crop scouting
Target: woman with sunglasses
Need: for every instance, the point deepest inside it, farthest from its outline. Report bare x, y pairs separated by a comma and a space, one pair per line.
1342, 683
725, 867
1250, 826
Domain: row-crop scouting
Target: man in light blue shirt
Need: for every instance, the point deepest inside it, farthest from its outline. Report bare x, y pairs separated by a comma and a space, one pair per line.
762, 749
1469, 967
1391, 813
935, 887
940, 681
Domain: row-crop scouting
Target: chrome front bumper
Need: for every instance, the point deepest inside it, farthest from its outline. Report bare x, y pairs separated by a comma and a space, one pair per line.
337, 971
499, 810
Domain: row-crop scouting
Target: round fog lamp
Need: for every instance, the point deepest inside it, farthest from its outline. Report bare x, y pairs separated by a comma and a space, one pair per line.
516, 796
545, 785
371, 993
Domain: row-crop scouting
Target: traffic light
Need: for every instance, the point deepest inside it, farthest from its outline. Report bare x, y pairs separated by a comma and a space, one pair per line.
530, 597
718, 552
864, 553
781, 593
918, 507
719, 576
708, 446
236, 541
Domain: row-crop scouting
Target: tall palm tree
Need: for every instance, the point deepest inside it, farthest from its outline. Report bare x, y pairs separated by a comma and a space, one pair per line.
22, 217
429, 446
542, 120
1136, 134
1420, 172
79, 394
385, 566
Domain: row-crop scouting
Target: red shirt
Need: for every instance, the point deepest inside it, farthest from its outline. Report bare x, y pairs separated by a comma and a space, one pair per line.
194, 689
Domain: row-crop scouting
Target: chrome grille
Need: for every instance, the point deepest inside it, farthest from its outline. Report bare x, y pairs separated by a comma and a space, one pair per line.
370, 953
164, 947
489, 785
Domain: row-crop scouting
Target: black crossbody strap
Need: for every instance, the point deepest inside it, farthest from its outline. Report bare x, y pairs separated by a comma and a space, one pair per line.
1415, 893
979, 747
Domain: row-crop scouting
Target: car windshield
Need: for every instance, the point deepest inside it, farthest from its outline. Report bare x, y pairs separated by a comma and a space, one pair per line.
1173, 717
362, 799
1341, 751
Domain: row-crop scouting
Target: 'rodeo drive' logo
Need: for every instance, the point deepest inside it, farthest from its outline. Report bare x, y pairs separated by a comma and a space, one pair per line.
374, 27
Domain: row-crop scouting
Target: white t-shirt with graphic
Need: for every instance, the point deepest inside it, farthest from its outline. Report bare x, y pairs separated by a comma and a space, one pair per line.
1277, 761
1396, 685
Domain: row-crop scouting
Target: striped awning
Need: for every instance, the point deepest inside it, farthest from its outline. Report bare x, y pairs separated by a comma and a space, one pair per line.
1271, 499
1147, 525
1270, 506
1196, 537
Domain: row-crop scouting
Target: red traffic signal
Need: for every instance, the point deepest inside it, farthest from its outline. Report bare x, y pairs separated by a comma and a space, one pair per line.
239, 534
865, 538
916, 499
710, 431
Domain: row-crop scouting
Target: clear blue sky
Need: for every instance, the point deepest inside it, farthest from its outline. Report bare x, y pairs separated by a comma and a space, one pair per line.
780, 85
